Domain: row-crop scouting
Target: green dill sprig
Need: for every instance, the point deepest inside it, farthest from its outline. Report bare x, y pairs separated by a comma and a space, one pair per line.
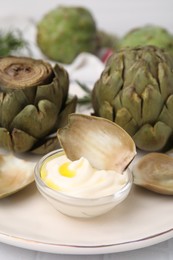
86, 99
11, 41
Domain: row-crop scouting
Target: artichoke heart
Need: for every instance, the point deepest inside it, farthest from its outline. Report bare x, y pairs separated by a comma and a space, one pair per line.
154, 171
33, 98
103, 143
15, 174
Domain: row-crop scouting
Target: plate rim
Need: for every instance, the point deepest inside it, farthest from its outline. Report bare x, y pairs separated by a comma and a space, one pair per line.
74, 249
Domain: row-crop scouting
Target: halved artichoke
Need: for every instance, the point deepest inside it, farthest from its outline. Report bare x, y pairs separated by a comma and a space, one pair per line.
33, 104
103, 143
15, 174
154, 172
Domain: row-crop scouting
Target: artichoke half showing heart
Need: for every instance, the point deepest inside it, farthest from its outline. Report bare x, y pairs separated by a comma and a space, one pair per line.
33, 104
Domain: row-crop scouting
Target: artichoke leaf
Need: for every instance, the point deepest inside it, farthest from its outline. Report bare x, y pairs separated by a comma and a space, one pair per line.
133, 102
51, 142
129, 59
17, 141
125, 120
140, 77
151, 59
166, 115
149, 138
63, 80
42, 119
5, 139
70, 108
113, 84
152, 103
50, 92
165, 80
47, 145
22, 141
106, 110
8, 101
154, 171
103, 143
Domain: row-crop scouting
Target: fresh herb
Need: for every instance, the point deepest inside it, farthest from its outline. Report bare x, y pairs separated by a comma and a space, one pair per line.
86, 99
11, 41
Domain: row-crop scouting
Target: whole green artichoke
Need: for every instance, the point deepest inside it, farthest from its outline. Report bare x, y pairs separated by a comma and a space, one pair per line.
65, 32
135, 91
33, 104
148, 35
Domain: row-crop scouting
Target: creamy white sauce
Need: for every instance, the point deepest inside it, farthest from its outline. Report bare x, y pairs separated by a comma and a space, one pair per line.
80, 179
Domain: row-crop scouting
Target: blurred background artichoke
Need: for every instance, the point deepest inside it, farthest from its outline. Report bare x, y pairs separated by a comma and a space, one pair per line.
135, 91
33, 104
148, 35
65, 32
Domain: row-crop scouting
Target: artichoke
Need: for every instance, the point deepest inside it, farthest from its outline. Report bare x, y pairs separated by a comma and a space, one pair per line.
33, 104
107, 40
65, 32
148, 35
135, 90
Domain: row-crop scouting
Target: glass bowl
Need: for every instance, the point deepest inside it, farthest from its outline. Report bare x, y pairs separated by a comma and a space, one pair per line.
79, 207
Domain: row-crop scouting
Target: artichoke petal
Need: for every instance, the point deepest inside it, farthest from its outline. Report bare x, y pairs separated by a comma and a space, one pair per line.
106, 110
154, 172
63, 116
139, 76
165, 80
149, 138
63, 80
53, 92
22, 142
125, 120
151, 98
5, 139
10, 100
129, 97
103, 143
51, 143
47, 145
17, 141
166, 115
42, 119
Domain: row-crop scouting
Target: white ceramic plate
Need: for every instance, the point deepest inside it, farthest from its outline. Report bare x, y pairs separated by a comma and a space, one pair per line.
28, 221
